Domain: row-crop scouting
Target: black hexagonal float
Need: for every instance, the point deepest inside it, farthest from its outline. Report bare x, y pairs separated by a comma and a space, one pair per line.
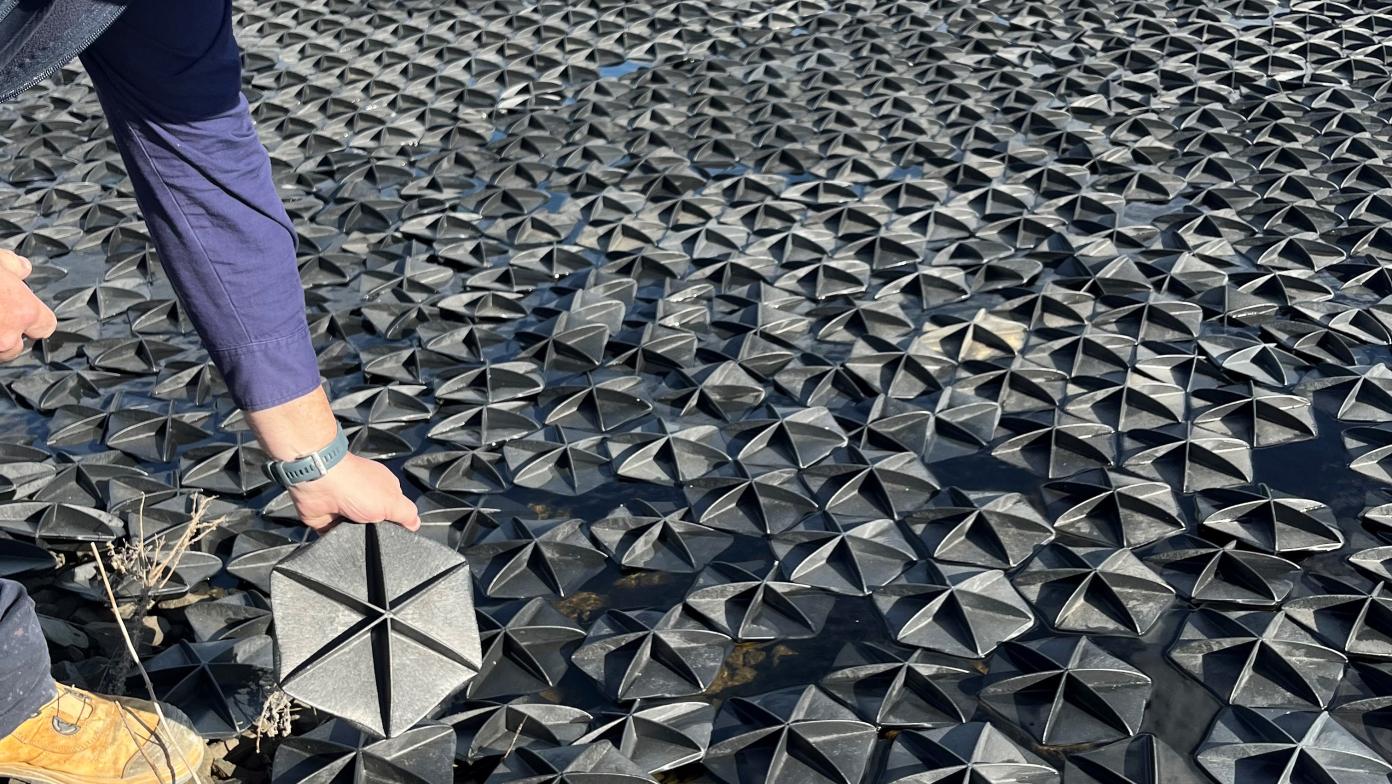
374, 625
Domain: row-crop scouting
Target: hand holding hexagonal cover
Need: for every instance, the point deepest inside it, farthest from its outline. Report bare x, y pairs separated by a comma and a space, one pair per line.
374, 625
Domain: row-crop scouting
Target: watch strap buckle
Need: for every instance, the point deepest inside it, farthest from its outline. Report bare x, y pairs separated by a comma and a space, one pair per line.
275, 471
315, 465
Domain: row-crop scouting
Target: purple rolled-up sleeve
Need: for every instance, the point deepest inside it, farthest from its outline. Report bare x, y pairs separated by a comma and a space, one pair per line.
168, 74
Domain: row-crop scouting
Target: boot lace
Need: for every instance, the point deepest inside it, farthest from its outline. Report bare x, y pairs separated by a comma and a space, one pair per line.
84, 710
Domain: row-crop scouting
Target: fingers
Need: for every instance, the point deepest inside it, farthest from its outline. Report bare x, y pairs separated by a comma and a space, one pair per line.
321, 524
35, 321
11, 346
43, 325
15, 264
21, 313
404, 513
322, 527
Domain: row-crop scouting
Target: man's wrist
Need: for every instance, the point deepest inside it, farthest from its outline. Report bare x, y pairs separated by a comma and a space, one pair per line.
308, 468
292, 430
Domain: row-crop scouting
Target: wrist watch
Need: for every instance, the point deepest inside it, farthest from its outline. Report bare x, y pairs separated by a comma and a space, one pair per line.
310, 467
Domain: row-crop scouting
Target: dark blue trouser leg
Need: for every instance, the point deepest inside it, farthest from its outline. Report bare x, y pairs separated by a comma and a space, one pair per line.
26, 682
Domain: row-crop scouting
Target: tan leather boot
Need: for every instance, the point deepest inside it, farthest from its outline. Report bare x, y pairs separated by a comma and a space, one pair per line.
83, 738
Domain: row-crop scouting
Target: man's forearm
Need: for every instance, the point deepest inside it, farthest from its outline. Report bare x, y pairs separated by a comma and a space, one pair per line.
295, 429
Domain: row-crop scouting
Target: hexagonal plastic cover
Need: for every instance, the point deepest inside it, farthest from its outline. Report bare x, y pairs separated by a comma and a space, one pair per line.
375, 625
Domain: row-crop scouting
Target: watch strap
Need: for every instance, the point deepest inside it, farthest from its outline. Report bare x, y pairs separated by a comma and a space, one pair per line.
308, 468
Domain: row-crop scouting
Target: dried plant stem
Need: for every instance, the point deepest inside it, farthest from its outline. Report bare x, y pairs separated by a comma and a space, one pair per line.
125, 633
153, 564
276, 717
135, 657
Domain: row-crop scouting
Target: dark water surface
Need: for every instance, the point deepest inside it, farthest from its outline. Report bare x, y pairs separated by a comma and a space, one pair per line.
893, 261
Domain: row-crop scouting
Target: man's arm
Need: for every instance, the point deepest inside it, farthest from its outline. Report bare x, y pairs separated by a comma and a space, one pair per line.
356, 489
168, 75
169, 79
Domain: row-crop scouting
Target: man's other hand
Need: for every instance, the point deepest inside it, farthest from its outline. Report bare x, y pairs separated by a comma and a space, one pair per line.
22, 315
356, 490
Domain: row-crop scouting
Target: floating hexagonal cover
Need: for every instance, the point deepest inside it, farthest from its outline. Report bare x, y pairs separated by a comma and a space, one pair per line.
336, 751
374, 625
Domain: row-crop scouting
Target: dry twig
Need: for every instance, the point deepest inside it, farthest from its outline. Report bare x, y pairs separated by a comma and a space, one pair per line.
152, 562
135, 657
276, 717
